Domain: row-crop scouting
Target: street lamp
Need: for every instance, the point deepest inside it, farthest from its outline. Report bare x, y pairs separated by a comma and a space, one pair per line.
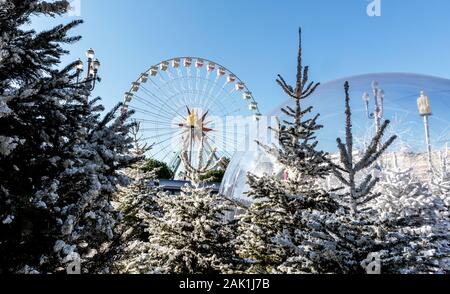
79, 67
92, 70
90, 54
423, 103
378, 95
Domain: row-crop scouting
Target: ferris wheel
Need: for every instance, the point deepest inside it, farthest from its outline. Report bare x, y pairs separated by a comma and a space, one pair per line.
184, 104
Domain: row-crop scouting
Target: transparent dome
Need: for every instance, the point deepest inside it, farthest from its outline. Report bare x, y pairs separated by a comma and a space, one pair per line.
401, 92
256, 161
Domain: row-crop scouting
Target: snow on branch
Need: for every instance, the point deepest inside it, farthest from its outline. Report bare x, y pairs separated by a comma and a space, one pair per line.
346, 173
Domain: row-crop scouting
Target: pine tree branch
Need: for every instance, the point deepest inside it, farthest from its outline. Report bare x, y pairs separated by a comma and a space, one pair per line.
286, 88
311, 91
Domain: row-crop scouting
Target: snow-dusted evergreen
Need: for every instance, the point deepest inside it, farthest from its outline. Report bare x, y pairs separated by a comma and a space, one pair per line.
413, 225
191, 236
61, 161
358, 194
278, 221
440, 183
138, 195
349, 234
135, 201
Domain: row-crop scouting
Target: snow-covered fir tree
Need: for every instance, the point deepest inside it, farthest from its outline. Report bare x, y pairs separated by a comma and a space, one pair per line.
191, 236
59, 159
351, 231
440, 183
413, 225
358, 194
139, 194
87, 185
277, 222
135, 201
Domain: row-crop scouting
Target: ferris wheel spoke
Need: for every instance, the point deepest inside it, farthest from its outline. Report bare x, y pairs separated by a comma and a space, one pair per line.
207, 96
233, 111
221, 90
178, 78
175, 111
163, 141
198, 87
167, 155
170, 79
147, 103
150, 93
188, 69
167, 103
205, 86
161, 151
230, 112
208, 93
224, 94
184, 83
214, 86
163, 134
145, 121
218, 95
170, 151
224, 149
207, 104
192, 91
217, 105
227, 145
153, 114
169, 84
232, 140
173, 80
182, 87
165, 84
195, 82
194, 88
158, 88
151, 129
155, 125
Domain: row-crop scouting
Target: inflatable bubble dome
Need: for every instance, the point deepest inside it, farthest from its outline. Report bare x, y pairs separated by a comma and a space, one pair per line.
392, 96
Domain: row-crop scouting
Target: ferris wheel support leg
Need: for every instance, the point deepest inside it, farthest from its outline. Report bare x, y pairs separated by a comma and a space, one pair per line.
212, 150
191, 146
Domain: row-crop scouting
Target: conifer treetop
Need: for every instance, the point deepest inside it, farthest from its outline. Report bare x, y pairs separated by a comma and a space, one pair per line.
347, 170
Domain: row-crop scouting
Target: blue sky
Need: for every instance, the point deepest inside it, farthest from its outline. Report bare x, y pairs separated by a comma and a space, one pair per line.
257, 39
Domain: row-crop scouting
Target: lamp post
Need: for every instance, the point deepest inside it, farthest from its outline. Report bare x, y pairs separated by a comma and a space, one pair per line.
423, 103
92, 70
377, 114
79, 67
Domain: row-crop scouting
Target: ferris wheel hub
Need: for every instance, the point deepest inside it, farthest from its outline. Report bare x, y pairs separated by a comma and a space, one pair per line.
198, 125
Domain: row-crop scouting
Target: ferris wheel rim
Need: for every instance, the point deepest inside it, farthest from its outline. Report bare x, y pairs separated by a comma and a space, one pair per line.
198, 82
255, 111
